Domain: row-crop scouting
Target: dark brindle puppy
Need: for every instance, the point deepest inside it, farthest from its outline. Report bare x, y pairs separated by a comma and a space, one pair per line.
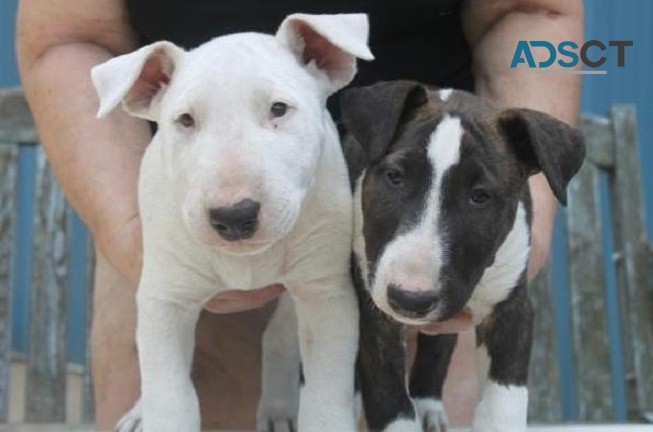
443, 218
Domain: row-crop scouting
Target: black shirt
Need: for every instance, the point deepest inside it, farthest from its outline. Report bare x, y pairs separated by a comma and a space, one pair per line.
411, 39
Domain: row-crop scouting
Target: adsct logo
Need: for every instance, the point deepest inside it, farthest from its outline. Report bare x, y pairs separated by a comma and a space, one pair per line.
593, 54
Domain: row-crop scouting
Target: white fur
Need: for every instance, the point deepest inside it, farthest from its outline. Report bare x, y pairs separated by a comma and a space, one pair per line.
358, 406
501, 409
328, 350
344, 31
132, 421
404, 425
413, 260
444, 147
279, 402
432, 414
359, 246
292, 165
445, 94
113, 93
500, 278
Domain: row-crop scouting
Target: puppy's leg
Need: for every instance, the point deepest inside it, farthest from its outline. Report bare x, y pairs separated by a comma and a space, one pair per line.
133, 420
328, 335
504, 344
277, 410
382, 371
166, 336
427, 379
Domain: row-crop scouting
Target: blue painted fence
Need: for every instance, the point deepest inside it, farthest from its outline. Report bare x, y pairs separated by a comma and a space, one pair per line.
25, 230
609, 20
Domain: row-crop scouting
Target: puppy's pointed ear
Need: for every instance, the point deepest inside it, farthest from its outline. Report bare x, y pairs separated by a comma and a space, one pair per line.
544, 144
373, 114
137, 79
329, 44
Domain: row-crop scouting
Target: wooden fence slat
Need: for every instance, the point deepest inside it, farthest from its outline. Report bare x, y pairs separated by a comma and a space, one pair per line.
587, 277
16, 125
544, 390
46, 376
633, 247
88, 398
598, 132
8, 163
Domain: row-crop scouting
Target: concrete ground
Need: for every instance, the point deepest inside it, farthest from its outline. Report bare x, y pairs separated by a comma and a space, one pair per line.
18, 393
73, 414
584, 428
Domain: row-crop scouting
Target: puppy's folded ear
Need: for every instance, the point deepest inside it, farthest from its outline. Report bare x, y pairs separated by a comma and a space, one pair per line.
137, 79
329, 44
373, 114
544, 144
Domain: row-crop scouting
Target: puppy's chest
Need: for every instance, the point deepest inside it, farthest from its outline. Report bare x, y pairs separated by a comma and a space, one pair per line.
247, 273
506, 271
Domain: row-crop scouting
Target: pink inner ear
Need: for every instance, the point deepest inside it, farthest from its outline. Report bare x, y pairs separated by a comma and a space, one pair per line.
327, 56
151, 80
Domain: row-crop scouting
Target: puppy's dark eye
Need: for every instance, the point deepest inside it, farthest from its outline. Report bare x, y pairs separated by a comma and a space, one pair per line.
479, 196
278, 109
395, 177
186, 120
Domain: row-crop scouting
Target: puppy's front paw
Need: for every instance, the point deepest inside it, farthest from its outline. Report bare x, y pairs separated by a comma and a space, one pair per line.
432, 415
132, 421
501, 409
276, 416
403, 425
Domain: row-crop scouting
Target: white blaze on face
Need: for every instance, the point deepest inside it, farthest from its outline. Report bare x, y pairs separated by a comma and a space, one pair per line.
413, 260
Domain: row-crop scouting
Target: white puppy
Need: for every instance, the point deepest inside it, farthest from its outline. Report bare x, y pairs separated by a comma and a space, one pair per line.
244, 185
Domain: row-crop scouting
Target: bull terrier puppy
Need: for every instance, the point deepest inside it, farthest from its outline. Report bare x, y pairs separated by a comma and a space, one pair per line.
442, 224
244, 185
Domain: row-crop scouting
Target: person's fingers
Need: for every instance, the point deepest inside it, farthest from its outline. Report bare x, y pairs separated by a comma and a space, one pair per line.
461, 322
544, 209
238, 301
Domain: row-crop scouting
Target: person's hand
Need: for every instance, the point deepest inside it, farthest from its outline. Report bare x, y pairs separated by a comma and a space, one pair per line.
544, 209
239, 300
461, 322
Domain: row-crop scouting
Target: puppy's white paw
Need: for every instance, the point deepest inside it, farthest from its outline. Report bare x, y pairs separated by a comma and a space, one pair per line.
501, 409
276, 416
432, 415
403, 425
132, 421
358, 406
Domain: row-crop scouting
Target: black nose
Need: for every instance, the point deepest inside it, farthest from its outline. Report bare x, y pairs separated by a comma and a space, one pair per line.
237, 222
412, 304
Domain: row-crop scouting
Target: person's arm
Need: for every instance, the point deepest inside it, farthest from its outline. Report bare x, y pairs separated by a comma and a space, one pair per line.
492, 29
97, 162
